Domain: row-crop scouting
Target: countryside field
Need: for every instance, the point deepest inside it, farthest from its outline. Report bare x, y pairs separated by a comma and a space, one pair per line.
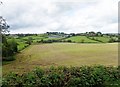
63, 54
59, 43
80, 38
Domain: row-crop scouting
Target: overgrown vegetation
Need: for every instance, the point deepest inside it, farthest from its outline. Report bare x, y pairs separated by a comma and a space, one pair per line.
85, 76
8, 48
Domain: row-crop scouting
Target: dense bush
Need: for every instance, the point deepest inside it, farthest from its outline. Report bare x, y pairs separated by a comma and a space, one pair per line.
85, 76
10, 58
51, 41
9, 48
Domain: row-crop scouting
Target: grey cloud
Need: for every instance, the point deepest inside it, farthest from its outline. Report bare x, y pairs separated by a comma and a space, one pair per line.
60, 16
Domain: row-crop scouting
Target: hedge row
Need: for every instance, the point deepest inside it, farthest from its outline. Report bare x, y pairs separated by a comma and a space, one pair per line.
51, 41
85, 76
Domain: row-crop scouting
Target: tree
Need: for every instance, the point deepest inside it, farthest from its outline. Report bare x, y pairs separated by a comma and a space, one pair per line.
92, 33
42, 40
111, 40
98, 34
3, 25
4, 40
13, 45
29, 41
8, 48
69, 41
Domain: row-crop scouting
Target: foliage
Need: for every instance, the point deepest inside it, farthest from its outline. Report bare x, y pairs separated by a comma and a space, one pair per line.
3, 25
8, 47
21, 45
29, 41
85, 76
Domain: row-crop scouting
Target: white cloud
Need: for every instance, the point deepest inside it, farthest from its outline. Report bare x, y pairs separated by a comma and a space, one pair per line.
38, 16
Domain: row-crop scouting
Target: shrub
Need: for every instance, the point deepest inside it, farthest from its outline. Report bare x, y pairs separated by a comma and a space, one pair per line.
12, 80
29, 79
10, 58
84, 76
39, 72
69, 41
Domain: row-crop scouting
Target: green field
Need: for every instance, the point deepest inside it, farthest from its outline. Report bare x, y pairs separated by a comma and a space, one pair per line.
83, 39
21, 45
63, 54
35, 38
102, 39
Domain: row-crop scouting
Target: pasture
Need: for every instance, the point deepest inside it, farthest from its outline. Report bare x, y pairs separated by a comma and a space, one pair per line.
82, 39
63, 54
102, 39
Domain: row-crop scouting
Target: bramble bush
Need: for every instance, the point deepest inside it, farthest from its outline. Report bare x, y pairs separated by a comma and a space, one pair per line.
84, 76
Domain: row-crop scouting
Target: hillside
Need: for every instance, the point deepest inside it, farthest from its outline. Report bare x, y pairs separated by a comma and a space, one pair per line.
81, 39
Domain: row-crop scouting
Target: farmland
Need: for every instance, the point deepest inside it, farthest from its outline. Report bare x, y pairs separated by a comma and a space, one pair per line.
57, 59
82, 39
24, 41
63, 54
59, 43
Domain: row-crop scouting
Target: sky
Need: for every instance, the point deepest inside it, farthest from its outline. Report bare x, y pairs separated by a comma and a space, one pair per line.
69, 16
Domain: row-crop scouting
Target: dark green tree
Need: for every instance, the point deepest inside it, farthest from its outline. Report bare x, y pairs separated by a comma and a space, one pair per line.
8, 48
98, 34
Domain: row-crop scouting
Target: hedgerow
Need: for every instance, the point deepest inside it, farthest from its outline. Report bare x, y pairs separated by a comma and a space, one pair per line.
84, 76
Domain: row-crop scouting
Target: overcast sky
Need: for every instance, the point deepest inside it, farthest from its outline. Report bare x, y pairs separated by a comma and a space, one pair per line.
39, 16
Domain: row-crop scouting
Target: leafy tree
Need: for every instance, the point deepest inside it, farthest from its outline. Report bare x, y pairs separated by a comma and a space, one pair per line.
8, 48
3, 26
111, 40
41, 40
29, 41
4, 40
98, 34
69, 41
13, 45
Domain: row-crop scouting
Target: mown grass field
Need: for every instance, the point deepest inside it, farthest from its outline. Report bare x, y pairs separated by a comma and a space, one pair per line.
63, 54
35, 38
83, 39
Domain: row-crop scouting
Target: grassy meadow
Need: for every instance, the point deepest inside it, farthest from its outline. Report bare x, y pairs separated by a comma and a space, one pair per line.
63, 54
82, 39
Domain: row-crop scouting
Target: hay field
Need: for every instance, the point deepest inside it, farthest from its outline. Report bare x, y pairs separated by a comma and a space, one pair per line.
63, 54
